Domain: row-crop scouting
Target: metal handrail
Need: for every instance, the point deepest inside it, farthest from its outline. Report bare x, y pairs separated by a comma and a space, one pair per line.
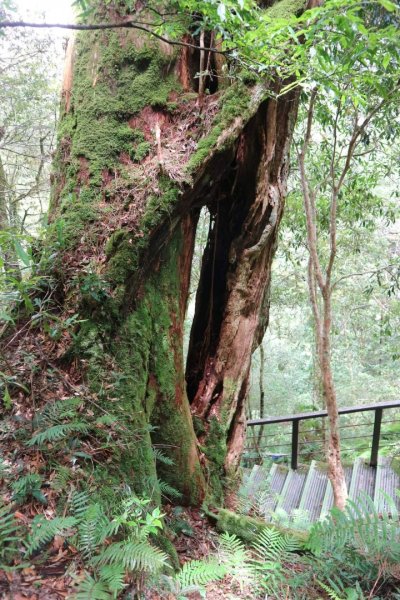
378, 408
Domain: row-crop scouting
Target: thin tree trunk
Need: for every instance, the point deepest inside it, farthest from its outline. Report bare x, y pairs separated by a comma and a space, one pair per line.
262, 390
335, 467
323, 323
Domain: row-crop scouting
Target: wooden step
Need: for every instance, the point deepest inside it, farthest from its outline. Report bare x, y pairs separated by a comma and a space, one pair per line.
313, 492
362, 480
277, 481
291, 492
327, 502
386, 483
309, 489
255, 480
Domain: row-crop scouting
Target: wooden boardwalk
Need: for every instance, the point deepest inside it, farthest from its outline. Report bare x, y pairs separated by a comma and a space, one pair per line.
308, 488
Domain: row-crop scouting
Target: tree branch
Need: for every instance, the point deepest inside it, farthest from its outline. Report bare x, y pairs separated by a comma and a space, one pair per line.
360, 274
309, 200
101, 26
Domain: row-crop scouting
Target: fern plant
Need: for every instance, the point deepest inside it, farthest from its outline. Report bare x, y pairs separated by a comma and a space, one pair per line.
58, 421
9, 537
26, 487
356, 545
43, 531
336, 591
259, 568
55, 433
297, 519
192, 578
117, 547
93, 589
168, 492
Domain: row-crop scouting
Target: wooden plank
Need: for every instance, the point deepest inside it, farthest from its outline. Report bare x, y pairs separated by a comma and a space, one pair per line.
314, 492
328, 497
277, 484
291, 492
354, 479
307, 489
386, 483
362, 481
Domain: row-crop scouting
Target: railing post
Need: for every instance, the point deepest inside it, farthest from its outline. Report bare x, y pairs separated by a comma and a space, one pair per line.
295, 443
376, 437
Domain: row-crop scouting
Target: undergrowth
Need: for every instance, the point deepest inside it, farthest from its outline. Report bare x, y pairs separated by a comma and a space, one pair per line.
114, 537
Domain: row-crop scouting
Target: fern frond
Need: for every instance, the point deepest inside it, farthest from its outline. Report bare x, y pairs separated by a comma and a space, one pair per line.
5, 470
331, 592
134, 556
237, 560
9, 532
57, 411
114, 577
271, 545
92, 530
168, 491
92, 589
360, 527
195, 573
61, 478
43, 531
57, 433
79, 504
163, 458
28, 486
233, 549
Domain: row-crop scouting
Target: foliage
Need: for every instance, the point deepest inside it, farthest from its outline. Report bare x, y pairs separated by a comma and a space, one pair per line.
259, 567
44, 530
26, 487
358, 548
355, 45
114, 547
111, 548
9, 536
28, 107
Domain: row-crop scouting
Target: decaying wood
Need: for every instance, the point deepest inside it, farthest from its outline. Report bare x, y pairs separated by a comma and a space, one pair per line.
237, 269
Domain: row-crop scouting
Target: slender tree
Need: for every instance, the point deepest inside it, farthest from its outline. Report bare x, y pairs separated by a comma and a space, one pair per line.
340, 112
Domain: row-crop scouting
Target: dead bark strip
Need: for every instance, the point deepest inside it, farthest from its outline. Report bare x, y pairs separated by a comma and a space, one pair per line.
235, 279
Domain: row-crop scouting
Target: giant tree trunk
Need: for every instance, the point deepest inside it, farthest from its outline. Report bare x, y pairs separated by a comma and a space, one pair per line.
136, 161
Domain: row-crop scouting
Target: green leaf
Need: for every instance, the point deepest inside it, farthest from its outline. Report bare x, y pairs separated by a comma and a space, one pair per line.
388, 5
22, 254
7, 399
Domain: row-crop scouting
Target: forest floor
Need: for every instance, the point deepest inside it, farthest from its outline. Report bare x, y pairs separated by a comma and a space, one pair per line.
53, 578
54, 573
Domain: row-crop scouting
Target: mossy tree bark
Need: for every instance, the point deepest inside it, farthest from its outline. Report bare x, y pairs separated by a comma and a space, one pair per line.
137, 159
